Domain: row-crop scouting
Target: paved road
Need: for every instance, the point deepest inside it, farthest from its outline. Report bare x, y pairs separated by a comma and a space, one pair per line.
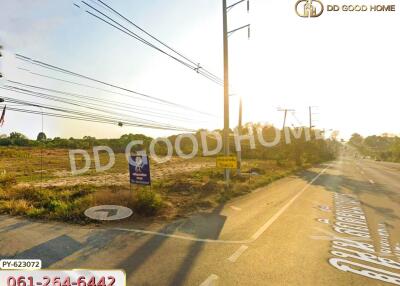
336, 224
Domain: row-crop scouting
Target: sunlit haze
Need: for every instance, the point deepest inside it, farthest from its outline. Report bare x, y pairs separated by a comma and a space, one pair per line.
344, 65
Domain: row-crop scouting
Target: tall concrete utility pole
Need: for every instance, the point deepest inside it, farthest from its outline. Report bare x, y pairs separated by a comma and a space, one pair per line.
226, 87
285, 110
284, 119
239, 153
1, 47
225, 35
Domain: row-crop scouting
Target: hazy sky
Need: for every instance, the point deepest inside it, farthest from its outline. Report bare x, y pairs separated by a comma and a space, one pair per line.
346, 64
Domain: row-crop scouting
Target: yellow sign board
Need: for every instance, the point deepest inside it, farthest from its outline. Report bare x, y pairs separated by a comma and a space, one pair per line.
226, 162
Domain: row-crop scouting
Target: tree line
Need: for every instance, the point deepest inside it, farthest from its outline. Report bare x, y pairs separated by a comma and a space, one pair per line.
301, 150
384, 148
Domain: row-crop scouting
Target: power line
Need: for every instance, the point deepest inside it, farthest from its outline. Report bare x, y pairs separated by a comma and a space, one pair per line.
137, 37
88, 86
191, 64
144, 31
90, 116
45, 96
59, 115
109, 91
115, 104
62, 70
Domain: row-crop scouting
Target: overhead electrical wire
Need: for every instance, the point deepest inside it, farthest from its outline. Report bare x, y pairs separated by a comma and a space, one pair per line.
86, 114
94, 117
137, 37
144, 31
103, 105
82, 118
62, 70
79, 104
110, 91
114, 104
88, 86
184, 60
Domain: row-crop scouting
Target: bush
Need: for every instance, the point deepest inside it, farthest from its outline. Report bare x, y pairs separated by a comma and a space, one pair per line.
36, 213
66, 203
61, 209
16, 207
241, 189
147, 203
7, 180
210, 187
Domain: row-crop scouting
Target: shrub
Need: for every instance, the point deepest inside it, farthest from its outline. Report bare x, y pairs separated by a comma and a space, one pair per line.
16, 207
61, 209
55, 205
241, 189
210, 187
7, 180
147, 203
36, 213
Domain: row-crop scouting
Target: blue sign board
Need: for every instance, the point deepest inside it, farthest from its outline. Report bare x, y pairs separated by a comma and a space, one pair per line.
139, 170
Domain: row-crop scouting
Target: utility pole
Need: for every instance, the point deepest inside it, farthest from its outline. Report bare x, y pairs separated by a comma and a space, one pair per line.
1, 47
239, 153
225, 35
311, 114
285, 110
226, 86
284, 119
240, 112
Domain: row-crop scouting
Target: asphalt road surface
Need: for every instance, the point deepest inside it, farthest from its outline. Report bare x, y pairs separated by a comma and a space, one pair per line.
335, 224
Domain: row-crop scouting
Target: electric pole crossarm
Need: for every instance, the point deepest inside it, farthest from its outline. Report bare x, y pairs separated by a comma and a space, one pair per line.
234, 4
242, 27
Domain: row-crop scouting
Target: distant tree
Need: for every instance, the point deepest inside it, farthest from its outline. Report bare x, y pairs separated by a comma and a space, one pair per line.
41, 136
89, 138
18, 139
17, 135
356, 139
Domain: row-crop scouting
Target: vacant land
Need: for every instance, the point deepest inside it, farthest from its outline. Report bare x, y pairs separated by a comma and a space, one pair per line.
38, 183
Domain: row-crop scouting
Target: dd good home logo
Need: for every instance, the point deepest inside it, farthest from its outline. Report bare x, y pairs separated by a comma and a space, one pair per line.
309, 8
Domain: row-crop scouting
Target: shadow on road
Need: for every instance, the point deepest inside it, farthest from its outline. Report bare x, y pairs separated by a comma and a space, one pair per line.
203, 226
62, 246
339, 184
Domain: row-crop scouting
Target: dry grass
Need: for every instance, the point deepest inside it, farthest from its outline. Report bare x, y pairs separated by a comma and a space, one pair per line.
180, 187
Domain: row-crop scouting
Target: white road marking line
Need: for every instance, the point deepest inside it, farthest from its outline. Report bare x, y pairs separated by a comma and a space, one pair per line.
210, 280
237, 253
183, 237
263, 228
260, 231
371, 181
235, 208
